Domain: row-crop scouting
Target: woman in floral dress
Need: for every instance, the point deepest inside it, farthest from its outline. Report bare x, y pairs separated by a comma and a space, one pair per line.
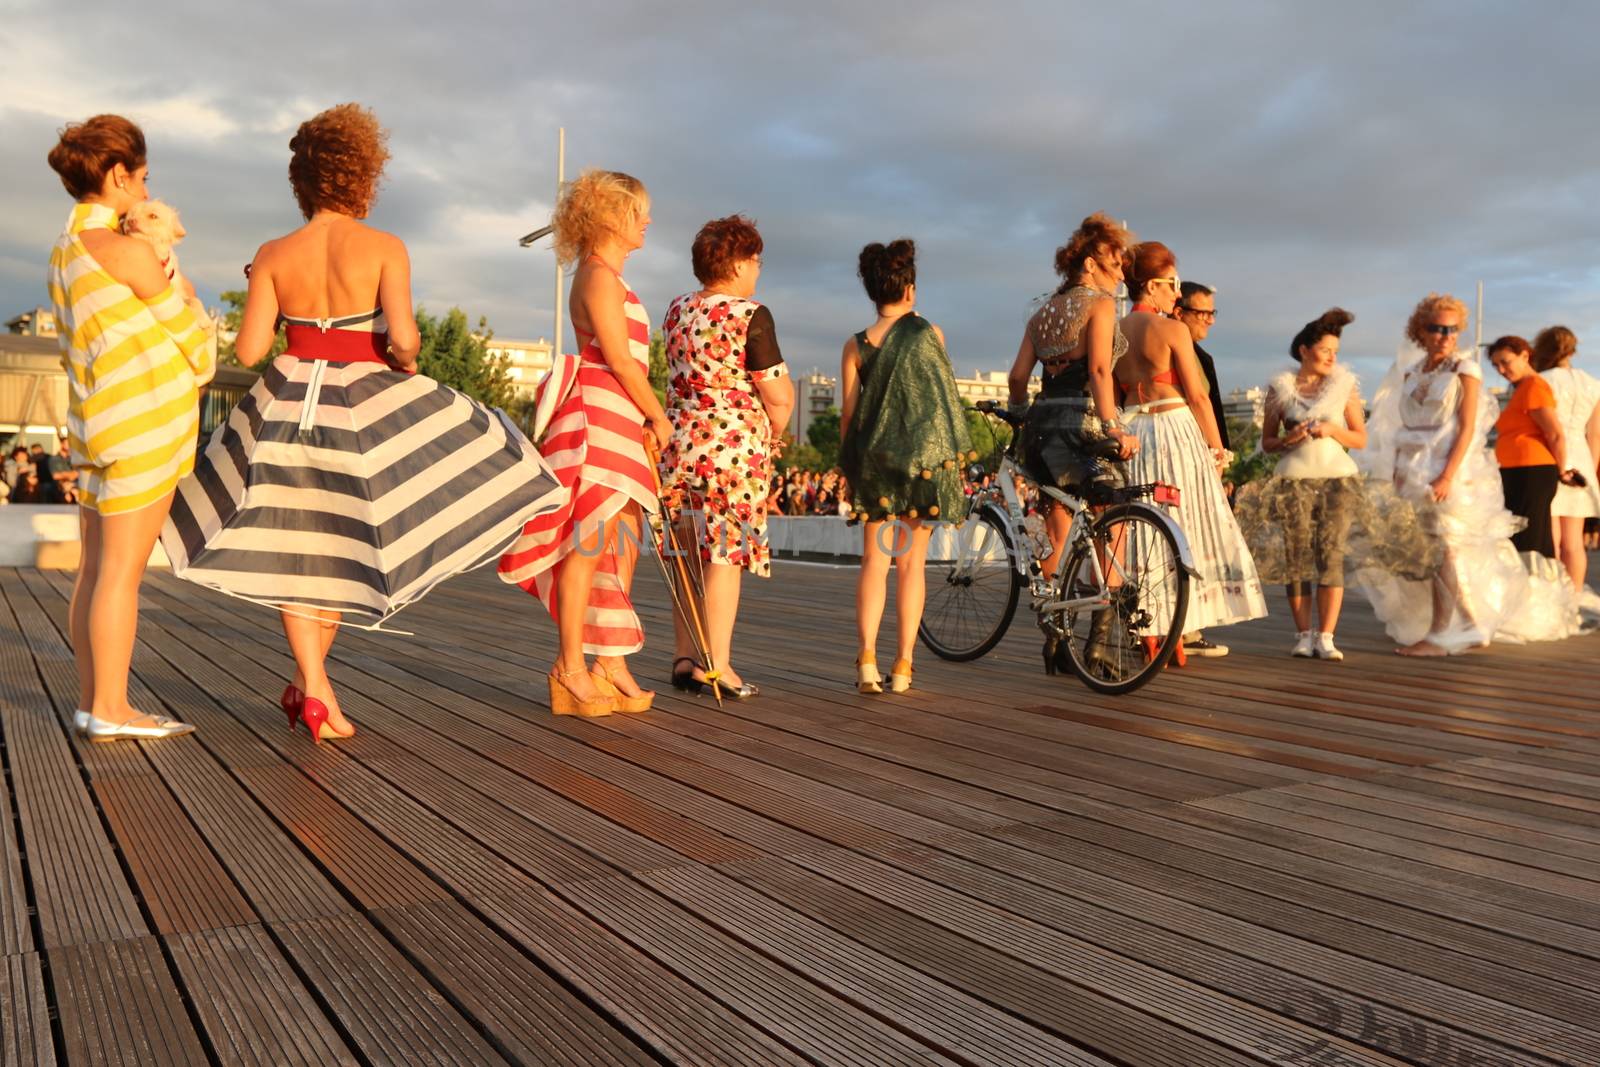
729, 397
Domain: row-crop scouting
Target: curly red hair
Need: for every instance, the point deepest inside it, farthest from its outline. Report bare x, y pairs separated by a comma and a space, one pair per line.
1427, 308
338, 161
1098, 236
721, 245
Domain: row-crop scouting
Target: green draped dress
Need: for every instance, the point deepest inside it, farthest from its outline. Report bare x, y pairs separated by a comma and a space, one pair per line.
907, 440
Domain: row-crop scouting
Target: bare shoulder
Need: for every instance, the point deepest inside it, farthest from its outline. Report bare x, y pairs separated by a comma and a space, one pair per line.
850, 350
119, 253
937, 332
596, 282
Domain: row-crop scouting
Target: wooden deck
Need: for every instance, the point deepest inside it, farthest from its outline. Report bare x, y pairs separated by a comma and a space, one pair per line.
1255, 860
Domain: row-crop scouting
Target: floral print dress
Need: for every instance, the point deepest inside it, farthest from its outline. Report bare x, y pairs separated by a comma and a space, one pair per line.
717, 468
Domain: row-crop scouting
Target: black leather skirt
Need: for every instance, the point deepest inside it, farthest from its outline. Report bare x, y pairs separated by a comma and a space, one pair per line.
1065, 445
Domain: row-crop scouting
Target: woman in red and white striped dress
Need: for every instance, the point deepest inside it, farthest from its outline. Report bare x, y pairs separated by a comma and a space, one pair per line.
593, 412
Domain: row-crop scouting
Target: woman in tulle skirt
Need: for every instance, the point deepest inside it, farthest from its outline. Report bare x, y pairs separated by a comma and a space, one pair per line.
1167, 406
1427, 433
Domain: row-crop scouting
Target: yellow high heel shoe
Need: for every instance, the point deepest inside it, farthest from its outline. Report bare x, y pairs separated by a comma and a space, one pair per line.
603, 681
868, 680
900, 676
564, 702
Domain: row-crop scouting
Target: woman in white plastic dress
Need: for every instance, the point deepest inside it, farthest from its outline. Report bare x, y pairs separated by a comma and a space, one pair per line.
1429, 423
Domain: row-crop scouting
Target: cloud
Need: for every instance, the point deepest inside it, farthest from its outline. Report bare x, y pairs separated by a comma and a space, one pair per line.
1295, 157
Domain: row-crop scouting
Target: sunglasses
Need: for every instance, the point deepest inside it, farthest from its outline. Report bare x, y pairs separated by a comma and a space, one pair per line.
1439, 330
1167, 281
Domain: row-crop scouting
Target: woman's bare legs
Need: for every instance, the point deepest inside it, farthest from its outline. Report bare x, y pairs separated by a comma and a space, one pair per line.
310, 633
1300, 607
82, 595
721, 608
1330, 599
1057, 523
1446, 598
683, 642
1568, 530
110, 620
877, 551
624, 537
911, 587
573, 585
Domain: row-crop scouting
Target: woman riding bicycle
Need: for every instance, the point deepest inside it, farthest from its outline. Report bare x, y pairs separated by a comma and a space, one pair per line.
1076, 337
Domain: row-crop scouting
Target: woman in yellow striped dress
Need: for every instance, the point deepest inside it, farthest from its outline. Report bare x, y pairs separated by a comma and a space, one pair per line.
135, 357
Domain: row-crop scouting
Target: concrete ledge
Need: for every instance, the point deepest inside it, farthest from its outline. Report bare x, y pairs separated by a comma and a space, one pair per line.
46, 536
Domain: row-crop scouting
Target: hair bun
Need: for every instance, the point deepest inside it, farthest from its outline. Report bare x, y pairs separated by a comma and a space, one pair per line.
1335, 319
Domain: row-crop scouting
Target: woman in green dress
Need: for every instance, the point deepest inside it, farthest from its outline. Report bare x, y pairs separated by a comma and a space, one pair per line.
905, 439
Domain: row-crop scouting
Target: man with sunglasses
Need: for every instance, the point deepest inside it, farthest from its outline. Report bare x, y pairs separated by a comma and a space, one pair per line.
1197, 309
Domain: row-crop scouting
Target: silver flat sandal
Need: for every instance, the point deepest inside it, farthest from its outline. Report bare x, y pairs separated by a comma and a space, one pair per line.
80, 721
143, 728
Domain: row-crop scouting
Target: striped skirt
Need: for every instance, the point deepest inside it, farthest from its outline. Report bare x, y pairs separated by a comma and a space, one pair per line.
595, 445
361, 501
1172, 450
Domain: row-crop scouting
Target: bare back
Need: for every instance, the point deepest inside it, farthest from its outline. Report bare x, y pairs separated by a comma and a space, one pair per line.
331, 267
1147, 371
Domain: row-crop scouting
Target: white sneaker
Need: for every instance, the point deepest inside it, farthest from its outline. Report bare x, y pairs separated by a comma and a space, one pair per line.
1302, 645
1325, 649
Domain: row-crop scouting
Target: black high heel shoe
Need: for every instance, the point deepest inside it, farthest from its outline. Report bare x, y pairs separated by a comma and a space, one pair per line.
684, 680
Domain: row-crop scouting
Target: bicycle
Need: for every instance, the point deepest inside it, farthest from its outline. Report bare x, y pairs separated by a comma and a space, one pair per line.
1113, 612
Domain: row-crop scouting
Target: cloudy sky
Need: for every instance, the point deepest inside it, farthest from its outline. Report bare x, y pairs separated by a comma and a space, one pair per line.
1293, 155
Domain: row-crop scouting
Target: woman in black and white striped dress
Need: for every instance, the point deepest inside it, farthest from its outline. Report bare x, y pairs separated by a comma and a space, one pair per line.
345, 483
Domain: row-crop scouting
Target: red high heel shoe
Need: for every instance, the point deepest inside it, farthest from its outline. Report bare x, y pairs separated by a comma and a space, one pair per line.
291, 702
314, 713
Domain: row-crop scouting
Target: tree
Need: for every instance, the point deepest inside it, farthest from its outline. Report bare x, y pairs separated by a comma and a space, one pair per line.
1249, 462
823, 435
658, 366
228, 333
989, 437
455, 355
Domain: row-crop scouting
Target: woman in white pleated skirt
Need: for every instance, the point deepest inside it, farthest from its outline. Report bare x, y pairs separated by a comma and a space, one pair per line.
1168, 408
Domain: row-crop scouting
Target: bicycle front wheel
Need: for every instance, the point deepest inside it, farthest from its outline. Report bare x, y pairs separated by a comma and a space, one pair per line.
1122, 640
972, 588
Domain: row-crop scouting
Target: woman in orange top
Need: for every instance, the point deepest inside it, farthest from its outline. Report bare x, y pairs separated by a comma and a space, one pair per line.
1530, 449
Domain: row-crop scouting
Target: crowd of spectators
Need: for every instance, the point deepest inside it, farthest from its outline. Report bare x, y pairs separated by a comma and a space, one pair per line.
33, 476
802, 492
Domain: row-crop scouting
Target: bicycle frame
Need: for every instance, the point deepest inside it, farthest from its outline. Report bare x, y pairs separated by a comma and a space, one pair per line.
1016, 522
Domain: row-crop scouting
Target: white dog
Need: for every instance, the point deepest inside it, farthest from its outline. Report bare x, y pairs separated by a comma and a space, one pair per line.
157, 224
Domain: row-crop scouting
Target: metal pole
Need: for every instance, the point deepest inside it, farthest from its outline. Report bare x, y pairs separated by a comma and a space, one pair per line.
561, 177
1477, 340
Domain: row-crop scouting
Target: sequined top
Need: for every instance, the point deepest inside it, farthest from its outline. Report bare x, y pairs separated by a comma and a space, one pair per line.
1055, 330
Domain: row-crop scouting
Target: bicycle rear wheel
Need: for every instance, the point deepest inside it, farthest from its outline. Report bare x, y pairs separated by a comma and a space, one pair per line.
1121, 643
972, 590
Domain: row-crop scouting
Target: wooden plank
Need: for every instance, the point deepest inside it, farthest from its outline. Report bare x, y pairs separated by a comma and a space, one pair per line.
527, 1013
391, 1014
78, 886
25, 1039
681, 1022
926, 1008
1100, 1023
120, 1006
16, 930
813, 1021
252, 1006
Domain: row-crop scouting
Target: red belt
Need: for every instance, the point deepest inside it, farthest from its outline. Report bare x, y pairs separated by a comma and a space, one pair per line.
338, 346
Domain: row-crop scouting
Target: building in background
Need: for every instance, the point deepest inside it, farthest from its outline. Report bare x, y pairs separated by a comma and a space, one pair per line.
1246, 405
527, 362
814, 394
991, 385
40, 322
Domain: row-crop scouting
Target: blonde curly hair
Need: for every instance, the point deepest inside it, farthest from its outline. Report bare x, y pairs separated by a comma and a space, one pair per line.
1427, 308
338, 161
598, 203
